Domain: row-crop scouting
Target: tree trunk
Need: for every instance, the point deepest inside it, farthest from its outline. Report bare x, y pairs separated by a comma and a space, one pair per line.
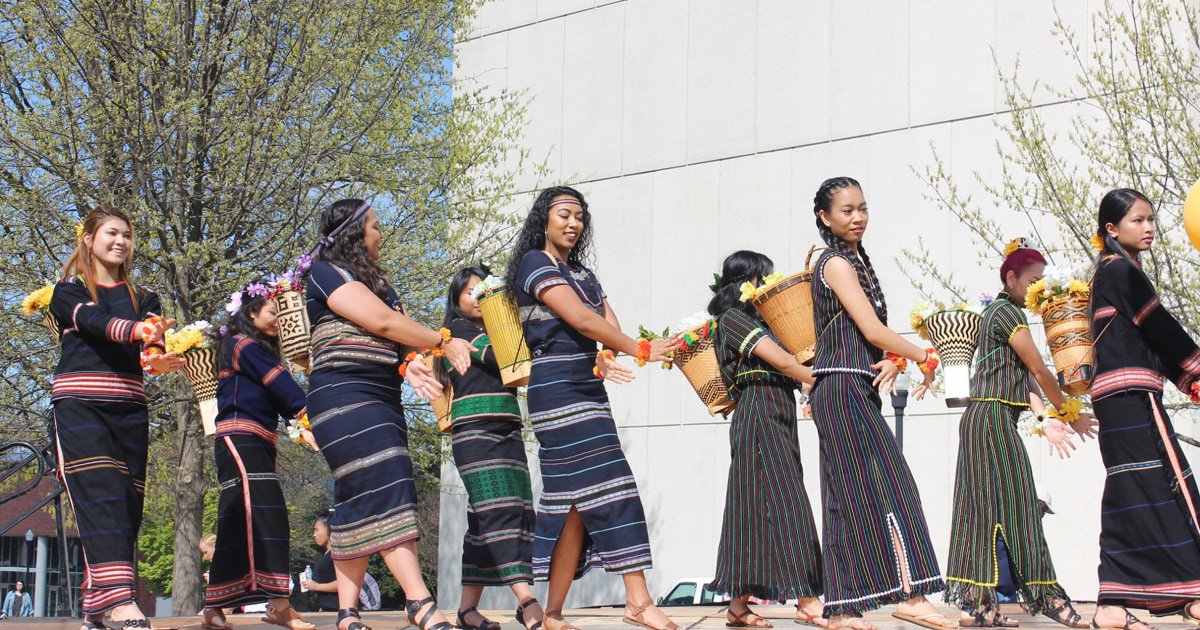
190, 486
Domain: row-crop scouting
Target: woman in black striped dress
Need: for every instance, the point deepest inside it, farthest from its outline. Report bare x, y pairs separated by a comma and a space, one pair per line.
994, 494
1149, 536
110, 335
876, 542
769, 546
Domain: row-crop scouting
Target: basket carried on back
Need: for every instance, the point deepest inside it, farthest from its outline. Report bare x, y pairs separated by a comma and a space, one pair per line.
201, 372
293, 327
787, 307
700, 365
955, 336
503, 327
1069, 335
441, 408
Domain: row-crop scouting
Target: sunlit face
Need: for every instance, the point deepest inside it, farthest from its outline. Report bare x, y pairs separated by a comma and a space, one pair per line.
565, 224
207, 550
111, 243
265, 320
847, 214
372, 233
1135, 232
467, 303
321, 534
1017, 285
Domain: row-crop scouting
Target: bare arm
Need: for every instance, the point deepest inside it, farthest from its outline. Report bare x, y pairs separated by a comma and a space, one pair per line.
781, 360
842, 278
1022, 342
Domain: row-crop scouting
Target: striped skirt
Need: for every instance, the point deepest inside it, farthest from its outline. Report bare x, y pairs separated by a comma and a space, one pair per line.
498, 545
769, 546
102, 458
1149, 544
250, 564
583, 466
359, 424
994, 497
870, 498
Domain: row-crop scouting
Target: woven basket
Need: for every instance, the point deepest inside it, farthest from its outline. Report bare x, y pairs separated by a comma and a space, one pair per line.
441, 408
503, 327
700, 365
787, 307
51, 323
1069, 335
293, 327
955, 336
201, 372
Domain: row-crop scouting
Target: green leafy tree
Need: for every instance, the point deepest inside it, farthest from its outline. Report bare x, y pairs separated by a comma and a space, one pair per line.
1136, 126
224, 128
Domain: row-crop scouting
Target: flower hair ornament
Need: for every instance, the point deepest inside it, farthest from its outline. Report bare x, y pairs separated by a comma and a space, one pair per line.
1096, 242
254, 289
78, 232
1017, 243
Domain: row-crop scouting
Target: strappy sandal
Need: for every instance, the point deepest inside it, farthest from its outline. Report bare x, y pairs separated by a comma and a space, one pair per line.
1189, 617
285, 618
210, 621
412, 608
88, 624
1129, 621
637, 619
111, 624
743, 620
350, 613
1066, 615
521, 614
566, 625
978, 619
487, 624
858, 623
805, 618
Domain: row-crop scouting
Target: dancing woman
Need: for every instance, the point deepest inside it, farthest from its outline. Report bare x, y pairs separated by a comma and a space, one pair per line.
489, 453
1149, 542
994, 493
876, 547
769, 546
250, 561
111, 331
589, 512
359, 334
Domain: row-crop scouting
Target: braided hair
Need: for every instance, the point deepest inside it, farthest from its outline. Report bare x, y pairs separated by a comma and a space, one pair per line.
861, 262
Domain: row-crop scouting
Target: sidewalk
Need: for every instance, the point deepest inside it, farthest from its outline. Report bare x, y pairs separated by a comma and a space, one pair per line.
692, 617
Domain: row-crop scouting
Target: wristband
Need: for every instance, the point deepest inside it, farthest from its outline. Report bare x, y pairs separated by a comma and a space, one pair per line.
931, 361
643, 352
900, 362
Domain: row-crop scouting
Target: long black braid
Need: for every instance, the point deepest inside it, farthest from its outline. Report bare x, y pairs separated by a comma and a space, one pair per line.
862, 262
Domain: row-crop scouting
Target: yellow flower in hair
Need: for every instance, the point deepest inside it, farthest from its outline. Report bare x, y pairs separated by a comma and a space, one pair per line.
1097, 242
1078, 288
1014, 245
748, 291
78, 232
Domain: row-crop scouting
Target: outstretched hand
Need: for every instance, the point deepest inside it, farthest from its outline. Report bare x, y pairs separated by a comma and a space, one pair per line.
165, 361
885, 381
610, 370
1056, 436
420, 378
1086, 426
925, 387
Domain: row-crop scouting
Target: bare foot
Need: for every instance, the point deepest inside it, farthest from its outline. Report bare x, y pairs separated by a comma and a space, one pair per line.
852, 622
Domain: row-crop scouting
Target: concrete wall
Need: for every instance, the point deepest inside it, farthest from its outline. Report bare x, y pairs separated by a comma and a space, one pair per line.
699, 128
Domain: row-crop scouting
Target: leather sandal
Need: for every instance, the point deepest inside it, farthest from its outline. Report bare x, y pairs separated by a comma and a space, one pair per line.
1066, 615
487, 624
1129, 621
638, 619
350, 613
521, 614
746, 619
412, 608
286, 618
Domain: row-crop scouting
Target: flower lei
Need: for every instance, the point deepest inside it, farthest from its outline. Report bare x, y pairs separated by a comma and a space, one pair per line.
1068, 412
900, 362
931, 361
749, 291
437, 351
607, 354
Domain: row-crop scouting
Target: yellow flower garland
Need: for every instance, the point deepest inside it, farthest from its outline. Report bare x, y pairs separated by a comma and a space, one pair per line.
1069, 412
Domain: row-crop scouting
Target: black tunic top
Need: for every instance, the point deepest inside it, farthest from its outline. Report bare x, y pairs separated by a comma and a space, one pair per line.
841, 346
100, 360
1137, 342
480, 393
254, 390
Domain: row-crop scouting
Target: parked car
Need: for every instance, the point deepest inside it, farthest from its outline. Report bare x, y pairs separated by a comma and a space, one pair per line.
692, 592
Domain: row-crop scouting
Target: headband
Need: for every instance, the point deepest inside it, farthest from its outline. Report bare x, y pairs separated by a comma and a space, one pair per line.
328, 240
562, 201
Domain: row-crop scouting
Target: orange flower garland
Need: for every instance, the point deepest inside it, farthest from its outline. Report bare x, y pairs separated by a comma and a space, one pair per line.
931, 361
900, 362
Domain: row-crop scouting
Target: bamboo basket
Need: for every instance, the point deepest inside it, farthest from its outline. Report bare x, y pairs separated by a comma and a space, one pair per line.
201, 372
293, 327
51, 323
700, 365
441, 408
955, 336
787, 307
503, 327
1069, 335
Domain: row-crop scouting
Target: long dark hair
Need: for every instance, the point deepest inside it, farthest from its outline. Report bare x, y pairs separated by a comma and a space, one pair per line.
348, 250
453, 312
1113, 208
862, 262
533, 235
239, 323
740, 266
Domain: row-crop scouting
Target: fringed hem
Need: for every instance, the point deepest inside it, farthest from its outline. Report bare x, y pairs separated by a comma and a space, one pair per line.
1035, 598
761, 591
866, 603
